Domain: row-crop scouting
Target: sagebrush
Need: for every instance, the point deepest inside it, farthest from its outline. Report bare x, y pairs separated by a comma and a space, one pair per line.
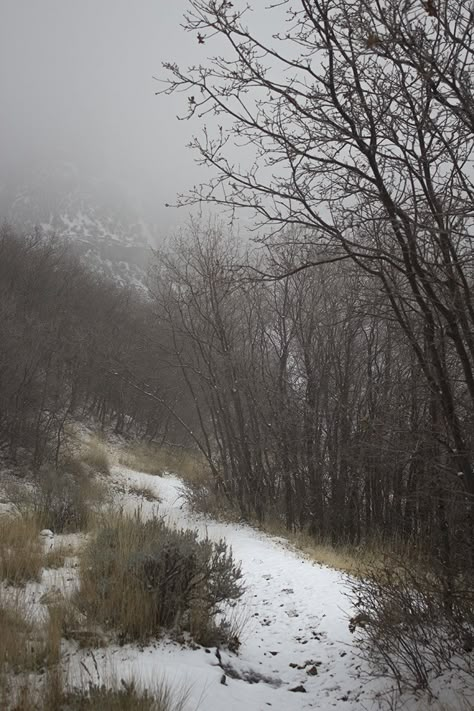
140, 577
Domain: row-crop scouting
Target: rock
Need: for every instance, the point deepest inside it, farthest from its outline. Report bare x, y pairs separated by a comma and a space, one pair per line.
312, 671
299, 689
224, 680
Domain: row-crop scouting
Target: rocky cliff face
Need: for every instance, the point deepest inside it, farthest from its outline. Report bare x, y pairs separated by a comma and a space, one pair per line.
96, 218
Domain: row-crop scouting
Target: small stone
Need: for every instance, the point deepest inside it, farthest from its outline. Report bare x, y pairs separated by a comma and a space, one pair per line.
224, 680
299, 689
312, 671
273, 654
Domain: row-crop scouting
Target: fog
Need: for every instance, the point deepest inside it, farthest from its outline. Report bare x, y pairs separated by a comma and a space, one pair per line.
76, 84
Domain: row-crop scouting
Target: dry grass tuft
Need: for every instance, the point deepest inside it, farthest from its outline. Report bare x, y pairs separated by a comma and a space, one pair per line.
96, 456
21, 551
124, 696
56, 557
23, 647
144, 492
348, 559
154, 459
50, 692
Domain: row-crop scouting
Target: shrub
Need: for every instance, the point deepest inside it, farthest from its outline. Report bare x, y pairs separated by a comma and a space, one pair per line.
21, 551
66, 499
411, 626
141, 576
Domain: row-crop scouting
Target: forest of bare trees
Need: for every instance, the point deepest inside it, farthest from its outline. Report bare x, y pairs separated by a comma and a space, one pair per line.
326, 374
359, 117
323, 371
69, 337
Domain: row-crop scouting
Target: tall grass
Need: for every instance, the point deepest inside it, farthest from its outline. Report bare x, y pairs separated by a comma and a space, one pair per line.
140, 577
155, 459
21, 551
95, 455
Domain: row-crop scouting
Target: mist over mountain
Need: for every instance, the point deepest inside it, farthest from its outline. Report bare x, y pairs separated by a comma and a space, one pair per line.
102, 223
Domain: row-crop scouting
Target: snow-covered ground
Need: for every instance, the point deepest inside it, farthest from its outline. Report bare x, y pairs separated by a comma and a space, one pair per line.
296, 647
296, 650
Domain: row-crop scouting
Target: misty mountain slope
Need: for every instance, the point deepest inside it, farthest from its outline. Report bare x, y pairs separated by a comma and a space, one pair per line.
96, 218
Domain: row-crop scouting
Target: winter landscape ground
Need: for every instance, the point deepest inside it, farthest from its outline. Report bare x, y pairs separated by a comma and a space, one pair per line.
296, 651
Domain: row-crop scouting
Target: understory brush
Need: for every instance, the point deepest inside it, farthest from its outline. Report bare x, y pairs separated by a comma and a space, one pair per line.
32, 674
21, 550
63, 500
50, 692
23, 647
205, 495
139, 577
95, 456
30, 646
126, 696
414, 622
152, 458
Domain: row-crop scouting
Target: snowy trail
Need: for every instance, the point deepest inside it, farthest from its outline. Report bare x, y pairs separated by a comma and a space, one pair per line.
296, 633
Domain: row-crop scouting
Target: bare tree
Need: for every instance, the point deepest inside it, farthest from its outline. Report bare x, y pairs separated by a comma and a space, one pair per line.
360, 118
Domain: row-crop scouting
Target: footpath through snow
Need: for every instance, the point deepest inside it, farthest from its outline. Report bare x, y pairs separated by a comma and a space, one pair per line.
296, 651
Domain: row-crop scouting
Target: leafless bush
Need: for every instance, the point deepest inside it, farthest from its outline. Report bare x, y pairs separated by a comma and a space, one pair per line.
65, 499
410, 625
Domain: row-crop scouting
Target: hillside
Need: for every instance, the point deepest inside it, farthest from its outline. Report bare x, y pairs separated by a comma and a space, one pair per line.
99, 221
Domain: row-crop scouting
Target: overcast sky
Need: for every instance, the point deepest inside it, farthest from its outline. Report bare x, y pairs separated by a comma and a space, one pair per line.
76, 83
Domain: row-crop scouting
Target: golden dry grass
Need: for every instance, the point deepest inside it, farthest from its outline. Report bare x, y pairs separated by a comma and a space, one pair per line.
153, 459
56, 556
51, 692
126, 603
348, 559
95, 455
144, 492
22, 646
21, 551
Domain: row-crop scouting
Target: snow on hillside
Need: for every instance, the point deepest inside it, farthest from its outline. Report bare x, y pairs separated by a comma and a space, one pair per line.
96, 218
